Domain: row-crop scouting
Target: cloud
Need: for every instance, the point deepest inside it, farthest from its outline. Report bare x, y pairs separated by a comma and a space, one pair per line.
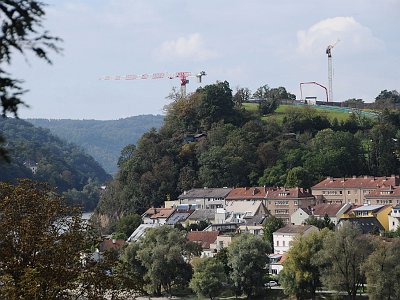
352, 34
191, 48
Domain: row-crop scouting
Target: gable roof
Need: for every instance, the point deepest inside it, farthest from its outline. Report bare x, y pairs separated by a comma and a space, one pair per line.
365, 182
367, 224
295, 229
158, 212
249, 208
205, 193
288, 193
385, 192
111, 244
326, 209
243, 193
204, 238
202, 215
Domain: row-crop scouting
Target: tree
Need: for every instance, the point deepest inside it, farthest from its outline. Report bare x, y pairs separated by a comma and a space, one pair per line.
247, 256
299, 177
326, 222
342, 258
41, 243
382, 271
21, 24
128, 224
242, 95
161, 253
208, 278
301, 275
387, 99
271, 225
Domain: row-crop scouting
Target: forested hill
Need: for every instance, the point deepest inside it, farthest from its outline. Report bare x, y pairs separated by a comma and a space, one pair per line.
62, 165
103, 140
237, 147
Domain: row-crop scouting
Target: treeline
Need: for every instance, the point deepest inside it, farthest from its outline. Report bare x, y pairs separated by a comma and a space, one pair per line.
239, 149
62, 165
103, 140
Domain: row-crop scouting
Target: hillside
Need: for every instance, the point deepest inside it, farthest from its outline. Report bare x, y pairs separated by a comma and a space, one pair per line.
103, 140
36, 153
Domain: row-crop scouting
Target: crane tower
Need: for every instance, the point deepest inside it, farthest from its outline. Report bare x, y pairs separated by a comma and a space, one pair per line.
330, 71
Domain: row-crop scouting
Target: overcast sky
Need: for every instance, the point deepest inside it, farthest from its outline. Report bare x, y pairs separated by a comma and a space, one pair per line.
249, 43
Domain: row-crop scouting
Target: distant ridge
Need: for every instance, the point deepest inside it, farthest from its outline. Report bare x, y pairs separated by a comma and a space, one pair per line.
102, 139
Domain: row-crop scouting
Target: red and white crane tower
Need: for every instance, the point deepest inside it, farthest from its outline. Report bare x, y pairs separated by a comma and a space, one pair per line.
183, 76
330, 70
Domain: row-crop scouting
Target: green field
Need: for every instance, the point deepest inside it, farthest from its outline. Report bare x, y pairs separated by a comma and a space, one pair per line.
341, 114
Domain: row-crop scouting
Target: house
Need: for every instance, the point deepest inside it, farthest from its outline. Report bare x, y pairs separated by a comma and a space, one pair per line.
239, 209
140, 232
275, 263
112, 244
333, 210
378, 212
205, 239
222, 241
394, 218
253, 225
350, 190
211, 198
157, 215
385, 195
283, 237
180, 214
366, 224
283, 202
223, 227
198, 215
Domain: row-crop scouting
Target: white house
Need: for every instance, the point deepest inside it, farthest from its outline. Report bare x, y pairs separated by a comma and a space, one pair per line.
283, 237
394, 218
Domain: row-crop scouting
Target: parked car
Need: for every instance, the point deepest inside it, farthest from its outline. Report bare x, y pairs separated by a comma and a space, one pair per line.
271, 283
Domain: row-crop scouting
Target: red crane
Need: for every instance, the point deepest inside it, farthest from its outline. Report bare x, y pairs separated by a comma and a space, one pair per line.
183, 76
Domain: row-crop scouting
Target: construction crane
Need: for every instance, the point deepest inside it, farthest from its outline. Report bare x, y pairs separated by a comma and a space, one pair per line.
330, 72
183, 77
312, 82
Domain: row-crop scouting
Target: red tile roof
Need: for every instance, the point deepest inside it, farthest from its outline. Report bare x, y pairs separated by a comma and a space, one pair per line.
204, 238
366, 182
385, 191
244, 193
288, 193
159, 212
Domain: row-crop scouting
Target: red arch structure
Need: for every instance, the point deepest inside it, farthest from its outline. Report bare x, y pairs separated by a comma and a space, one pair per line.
316, 83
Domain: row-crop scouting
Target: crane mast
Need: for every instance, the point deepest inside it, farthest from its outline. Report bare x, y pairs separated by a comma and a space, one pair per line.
330, 70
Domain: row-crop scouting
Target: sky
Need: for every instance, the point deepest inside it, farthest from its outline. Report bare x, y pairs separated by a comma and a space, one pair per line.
247, 43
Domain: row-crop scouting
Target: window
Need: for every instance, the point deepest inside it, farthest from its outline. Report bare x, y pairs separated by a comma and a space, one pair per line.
348, 192
283, 243
277, 243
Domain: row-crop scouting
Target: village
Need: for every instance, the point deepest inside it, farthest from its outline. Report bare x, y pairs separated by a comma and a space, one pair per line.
372, 203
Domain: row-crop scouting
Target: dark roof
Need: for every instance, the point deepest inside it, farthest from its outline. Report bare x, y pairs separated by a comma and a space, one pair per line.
205, 193
203, 214
204, 238
178, 217
295, 229
365, 182
255, 220
366, 224
326, 209
111, 244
